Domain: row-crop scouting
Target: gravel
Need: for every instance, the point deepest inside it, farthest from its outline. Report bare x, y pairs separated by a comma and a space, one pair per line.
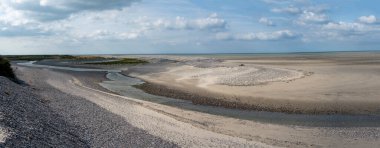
41, 116
120, 122
30, 122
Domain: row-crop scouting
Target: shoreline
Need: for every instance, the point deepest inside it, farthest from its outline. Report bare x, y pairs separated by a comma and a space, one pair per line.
93, 124
202, 96
178, 125
220, 101
336, 84
122, 112
265, 115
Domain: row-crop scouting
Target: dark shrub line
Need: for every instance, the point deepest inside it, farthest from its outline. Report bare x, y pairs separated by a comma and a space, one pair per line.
5, 69
121, 61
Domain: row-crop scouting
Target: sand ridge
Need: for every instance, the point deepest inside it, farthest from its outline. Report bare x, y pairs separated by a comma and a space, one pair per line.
235, 76
343, 83
195, 129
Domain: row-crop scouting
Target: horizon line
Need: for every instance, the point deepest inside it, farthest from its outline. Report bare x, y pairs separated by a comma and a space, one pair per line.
206, 53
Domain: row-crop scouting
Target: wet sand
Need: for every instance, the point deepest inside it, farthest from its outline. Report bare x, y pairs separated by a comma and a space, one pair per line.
134, 114
343, 83
93, 125
194, 129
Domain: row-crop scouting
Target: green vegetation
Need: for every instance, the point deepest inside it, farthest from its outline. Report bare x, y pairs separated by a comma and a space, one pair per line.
121, 61
88, 58
37, 57
51, 57
5, 69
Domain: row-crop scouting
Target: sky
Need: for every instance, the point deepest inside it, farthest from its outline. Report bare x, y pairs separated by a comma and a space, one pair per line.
187, 26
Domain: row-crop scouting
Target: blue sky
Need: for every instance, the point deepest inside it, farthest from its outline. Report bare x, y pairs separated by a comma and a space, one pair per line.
187, 26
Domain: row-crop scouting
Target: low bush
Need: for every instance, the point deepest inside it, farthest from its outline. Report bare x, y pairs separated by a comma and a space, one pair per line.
121, 61
5, 69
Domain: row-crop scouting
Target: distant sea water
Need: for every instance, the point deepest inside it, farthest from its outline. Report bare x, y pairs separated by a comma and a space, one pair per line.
248, 55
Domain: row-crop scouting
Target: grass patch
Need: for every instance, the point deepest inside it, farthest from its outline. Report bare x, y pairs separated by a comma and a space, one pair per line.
5, 69
51, 57
88, 58
121, 61
37, 57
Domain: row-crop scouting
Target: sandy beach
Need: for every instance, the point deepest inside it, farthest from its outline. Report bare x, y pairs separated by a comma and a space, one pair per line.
189, 74
345, 83
79, 98
137, 113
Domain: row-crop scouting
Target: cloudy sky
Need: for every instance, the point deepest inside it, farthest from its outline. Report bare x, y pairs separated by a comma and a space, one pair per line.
187, 26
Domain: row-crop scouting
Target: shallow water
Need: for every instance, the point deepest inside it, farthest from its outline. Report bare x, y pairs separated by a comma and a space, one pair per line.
123, 85
31, 64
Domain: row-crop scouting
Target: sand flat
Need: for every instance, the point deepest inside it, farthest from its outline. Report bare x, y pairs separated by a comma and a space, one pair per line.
195, 129
346, 83
189, 128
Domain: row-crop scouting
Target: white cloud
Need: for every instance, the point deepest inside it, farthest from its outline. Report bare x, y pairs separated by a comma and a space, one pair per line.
266, 21
48, 10
368, 19
277, 35
30, 17
210, 23
289, 10
344, 26
129, 35
312, 17
10, 16
106, 34
284, 1
224, 36
99, 34
345, 30
305, 14
44, 2
260, 36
